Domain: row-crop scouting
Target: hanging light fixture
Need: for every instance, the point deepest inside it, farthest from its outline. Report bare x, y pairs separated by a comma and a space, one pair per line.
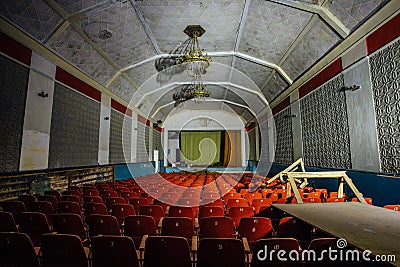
191, 57
199, 91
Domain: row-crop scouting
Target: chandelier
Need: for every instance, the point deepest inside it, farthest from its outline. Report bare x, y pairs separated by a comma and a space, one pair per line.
195, 90
191, 57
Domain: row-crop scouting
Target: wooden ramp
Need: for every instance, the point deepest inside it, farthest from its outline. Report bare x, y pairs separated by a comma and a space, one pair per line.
364, 226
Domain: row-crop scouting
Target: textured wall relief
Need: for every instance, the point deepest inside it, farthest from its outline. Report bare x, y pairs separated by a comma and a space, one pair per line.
120, 137
385, 75
325, 129
74, 133
157, 144
142, 142
284, 137
13, 89
252, 144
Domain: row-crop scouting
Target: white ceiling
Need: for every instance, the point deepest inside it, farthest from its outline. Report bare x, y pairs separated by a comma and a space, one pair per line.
263, 45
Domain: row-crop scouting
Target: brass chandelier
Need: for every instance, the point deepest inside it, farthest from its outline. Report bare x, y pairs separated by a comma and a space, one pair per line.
191, 57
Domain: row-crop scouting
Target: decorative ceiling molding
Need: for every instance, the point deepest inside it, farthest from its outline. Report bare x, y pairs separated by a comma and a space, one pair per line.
209, 100
146, 27
60, 27
239, 37
224, 84
224, 54
322, 12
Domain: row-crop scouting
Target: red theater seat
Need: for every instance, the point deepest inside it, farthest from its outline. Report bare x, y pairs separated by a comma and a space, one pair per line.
167, 251
157, 212
176, 211
178, 226
69, 223
34, 224
17, 250
139, 225
221, 252
103, 225
217, 227
210, 211
121, 211
255, 228
113, 251
7, 222
69, 207
392, 207
237, 213
261, 255
63, 250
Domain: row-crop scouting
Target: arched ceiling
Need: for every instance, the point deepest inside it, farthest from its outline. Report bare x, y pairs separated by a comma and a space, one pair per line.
116, 42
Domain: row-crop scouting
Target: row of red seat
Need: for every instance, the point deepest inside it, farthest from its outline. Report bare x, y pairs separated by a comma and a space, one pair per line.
111, 250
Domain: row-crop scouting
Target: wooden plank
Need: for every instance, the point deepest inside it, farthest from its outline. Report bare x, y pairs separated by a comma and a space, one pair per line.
364, 226
317, 174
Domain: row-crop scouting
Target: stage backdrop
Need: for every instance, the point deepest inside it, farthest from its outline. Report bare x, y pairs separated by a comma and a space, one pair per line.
200, 148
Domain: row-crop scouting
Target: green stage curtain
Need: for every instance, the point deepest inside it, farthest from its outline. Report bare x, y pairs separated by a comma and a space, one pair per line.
200, 148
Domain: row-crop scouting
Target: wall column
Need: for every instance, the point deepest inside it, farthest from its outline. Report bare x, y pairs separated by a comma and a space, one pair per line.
38, 110
296, 126
104, 131
134, 138
361, 117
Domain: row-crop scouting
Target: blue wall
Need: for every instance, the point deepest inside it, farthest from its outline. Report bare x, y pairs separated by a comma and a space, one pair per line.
132, 170
383, 188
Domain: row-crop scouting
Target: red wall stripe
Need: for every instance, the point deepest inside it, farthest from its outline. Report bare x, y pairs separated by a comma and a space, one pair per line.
248, 129
385, 34
15, 49
142, 119
329, 72
283, 104
121, 108
77, 84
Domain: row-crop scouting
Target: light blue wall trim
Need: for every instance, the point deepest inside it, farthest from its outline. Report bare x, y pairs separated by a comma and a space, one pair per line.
132, 170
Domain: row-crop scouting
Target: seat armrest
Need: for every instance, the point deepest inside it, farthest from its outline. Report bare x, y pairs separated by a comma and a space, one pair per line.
143, 242
196, 223
160, 224
194, 243
246, 245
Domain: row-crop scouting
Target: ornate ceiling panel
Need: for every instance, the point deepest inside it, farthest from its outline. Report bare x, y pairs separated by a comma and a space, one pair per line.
167, 20
257, 73
274, 86
233, 108
141, 73
119, 32
247, 115
35, 17
123, 88
70, 45
316, 42
234, 97
270, 30
352, 12
223, 60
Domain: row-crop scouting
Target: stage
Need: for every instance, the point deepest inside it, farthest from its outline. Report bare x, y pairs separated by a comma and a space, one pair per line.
365, 226
208, 169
